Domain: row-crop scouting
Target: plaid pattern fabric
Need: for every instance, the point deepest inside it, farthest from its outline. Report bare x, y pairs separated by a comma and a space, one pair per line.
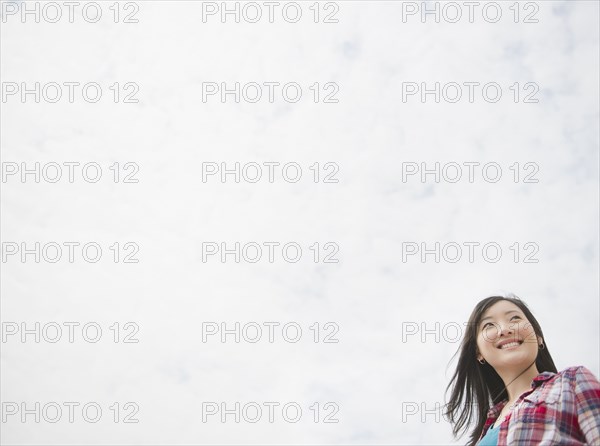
560, 409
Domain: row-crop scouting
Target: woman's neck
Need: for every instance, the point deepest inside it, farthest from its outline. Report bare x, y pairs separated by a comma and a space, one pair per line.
515, 386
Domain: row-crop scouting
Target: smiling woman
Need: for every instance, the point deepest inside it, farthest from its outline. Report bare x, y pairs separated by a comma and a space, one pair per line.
506, 379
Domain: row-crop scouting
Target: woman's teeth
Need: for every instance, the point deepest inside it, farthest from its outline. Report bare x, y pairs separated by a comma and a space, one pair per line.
509, 345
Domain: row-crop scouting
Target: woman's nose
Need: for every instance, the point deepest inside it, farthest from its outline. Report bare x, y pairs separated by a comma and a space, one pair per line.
505, 329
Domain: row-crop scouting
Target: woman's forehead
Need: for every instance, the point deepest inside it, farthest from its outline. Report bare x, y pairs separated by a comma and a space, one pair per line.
500, 308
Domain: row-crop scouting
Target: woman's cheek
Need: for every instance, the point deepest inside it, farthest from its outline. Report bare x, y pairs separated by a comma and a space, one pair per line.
488, 344
528, 332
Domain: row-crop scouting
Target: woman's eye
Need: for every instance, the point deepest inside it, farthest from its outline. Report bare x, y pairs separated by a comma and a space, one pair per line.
489, 323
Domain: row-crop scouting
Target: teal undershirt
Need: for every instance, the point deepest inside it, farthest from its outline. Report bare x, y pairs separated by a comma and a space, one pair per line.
490, 438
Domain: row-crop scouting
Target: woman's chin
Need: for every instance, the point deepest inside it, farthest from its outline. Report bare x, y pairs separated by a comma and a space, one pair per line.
518, 362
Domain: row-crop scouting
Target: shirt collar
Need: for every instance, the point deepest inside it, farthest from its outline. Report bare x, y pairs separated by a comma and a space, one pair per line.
544, 376
536, 382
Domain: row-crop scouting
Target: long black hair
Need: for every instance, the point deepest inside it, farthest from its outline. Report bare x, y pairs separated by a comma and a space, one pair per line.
477, 387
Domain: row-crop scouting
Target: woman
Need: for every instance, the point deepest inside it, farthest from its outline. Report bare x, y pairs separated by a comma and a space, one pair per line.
507, 381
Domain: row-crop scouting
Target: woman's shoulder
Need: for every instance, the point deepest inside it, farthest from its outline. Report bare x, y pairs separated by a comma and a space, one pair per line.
579, 374
575, 370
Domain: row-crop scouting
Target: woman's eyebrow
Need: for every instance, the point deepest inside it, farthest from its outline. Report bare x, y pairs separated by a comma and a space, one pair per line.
509, 311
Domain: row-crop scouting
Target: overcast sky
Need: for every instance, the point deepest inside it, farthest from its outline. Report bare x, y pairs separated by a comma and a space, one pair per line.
514, 131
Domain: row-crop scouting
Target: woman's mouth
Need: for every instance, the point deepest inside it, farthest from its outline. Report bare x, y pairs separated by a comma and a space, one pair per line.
510, 345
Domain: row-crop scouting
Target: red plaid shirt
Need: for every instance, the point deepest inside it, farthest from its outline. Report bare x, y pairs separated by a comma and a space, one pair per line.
560, 409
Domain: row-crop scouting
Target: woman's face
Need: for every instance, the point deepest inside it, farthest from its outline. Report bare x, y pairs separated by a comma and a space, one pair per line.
502, 325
